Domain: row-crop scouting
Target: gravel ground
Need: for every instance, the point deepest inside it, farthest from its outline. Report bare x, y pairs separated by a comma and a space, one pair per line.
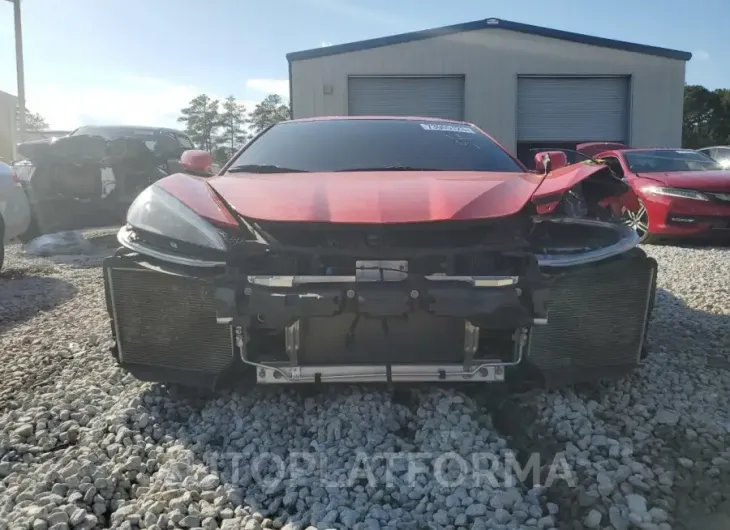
82, 445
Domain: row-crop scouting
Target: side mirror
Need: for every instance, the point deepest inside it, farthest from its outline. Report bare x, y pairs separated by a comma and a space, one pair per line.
547, 161
197, 161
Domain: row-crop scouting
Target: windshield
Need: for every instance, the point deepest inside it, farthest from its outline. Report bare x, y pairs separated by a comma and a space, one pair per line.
667, 160
342, 145
185, 141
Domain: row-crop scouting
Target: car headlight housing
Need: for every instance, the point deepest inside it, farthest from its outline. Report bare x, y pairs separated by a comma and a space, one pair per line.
574, 203
676, 192
158, 212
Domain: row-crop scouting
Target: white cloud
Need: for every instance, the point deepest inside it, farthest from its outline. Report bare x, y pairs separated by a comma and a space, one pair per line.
324, 44
126, 100
701, 55
269, 86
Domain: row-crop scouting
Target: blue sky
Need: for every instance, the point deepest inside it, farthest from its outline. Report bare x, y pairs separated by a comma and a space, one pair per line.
140, 61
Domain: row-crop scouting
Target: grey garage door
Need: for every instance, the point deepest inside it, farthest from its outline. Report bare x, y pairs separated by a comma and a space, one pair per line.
434, 97
556, 109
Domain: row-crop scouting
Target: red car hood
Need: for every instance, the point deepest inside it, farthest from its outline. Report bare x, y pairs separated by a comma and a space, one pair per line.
696, 180
377, 197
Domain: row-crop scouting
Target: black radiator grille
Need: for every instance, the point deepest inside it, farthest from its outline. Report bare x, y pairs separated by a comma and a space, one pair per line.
167, 321
595, 318
425, 235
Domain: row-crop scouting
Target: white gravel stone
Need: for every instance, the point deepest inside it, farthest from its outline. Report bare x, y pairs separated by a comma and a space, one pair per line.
84, 444
593, 519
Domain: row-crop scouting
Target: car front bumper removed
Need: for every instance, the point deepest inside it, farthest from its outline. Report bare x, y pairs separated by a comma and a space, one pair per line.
380, 325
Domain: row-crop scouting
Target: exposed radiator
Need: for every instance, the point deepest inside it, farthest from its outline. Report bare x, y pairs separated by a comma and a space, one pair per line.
596, 319
167, 321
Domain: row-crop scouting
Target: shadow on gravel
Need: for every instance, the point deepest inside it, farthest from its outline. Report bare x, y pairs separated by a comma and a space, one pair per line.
26, 292
698, 499
676, 327
175, 407
81, 249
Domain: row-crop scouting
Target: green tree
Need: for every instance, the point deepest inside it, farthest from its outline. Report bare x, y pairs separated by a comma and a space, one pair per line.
700, 106
33, 121
233, 133
271, 110
202, 121
721, 116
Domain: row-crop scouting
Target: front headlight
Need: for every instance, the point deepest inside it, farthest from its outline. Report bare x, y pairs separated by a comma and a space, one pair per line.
158, 212
675, 192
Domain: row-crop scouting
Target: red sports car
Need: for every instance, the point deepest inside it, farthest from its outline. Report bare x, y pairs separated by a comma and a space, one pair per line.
677, 192
379, 249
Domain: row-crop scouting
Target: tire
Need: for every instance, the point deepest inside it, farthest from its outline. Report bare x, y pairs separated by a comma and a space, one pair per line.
639, 221
32, 232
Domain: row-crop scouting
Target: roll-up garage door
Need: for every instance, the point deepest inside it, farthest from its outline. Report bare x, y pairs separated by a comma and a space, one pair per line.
579, 109
434, 97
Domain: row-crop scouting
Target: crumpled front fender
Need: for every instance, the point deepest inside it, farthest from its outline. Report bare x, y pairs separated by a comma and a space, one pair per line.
557, 183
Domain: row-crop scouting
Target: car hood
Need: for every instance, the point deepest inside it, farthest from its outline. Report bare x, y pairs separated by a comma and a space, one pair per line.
376, 197
34, 148
718, 180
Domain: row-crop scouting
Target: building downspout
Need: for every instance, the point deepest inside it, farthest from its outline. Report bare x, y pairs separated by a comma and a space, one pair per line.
291, 93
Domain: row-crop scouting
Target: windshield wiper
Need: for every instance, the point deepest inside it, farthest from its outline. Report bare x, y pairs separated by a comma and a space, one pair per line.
263, 168
389, 168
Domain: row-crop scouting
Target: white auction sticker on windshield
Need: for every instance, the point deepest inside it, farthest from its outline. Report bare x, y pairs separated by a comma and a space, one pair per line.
447, 128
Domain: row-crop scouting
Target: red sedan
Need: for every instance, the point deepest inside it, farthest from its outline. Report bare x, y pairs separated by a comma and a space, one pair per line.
679, 192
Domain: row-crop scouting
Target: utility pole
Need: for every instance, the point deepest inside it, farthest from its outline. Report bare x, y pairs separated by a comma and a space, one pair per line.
19, 67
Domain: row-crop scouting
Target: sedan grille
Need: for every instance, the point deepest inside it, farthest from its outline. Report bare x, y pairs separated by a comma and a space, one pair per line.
433, 235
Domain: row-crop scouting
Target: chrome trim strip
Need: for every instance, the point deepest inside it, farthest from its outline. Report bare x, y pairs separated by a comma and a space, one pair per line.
291, 281
377, 373
399, 372
123, 238
628, 240
477, 281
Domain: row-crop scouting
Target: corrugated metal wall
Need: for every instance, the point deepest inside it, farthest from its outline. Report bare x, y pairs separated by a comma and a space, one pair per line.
8, 137
491, 61
580, 109
434, 97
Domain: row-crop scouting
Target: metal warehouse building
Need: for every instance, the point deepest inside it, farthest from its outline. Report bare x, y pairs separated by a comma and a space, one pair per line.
8, 137
526, 85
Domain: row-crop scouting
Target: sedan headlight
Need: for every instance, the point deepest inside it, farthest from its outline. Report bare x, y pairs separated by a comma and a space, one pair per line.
676, 192
158, 212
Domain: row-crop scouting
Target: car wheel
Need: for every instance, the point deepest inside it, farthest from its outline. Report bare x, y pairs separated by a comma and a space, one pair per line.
32, 232
638, 220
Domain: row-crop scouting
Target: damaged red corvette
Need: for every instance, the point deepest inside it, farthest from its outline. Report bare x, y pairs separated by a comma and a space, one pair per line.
380, 250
